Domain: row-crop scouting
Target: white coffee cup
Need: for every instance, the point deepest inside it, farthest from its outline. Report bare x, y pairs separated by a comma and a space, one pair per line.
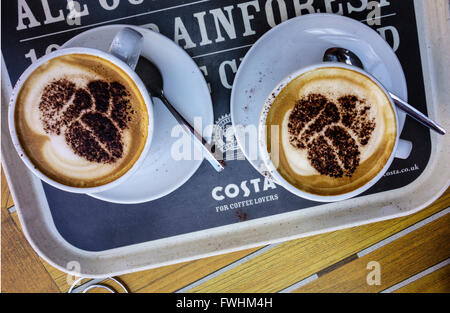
130, 45
401, 148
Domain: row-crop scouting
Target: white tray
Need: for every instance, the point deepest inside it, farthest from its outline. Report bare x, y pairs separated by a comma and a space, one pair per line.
34, 214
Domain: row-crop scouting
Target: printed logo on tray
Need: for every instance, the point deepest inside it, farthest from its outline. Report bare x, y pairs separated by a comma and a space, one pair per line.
247, 190
192, 32
224, 138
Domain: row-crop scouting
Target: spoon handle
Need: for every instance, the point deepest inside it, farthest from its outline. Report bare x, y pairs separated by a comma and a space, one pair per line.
218, 165
417, 115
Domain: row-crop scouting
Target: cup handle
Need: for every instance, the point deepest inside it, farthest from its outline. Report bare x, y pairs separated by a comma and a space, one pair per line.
127, 46
404, 148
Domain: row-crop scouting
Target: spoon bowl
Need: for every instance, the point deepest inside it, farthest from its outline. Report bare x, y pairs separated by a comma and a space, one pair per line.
343, 56
337, 54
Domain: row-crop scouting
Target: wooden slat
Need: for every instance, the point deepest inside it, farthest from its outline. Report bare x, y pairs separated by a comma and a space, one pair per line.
21, 269
438, 281
177, 276
398, 260
295, 260
7, 200
164, 279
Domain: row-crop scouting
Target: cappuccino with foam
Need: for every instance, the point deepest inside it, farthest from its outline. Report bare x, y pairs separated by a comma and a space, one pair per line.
81, 120
335, 131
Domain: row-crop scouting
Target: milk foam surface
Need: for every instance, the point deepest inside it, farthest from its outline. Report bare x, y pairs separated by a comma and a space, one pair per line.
337, 130
334, 89
51, 151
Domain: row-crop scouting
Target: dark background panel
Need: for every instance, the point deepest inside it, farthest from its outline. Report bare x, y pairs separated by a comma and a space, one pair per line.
95, 225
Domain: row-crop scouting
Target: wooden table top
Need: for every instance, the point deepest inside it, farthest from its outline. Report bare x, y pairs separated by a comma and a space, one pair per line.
407, 254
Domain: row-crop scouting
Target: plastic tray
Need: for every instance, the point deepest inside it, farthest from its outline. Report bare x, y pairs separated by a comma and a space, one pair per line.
39, 227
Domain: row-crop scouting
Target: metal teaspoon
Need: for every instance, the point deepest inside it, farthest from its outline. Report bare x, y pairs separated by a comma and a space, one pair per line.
337, 54
152, 78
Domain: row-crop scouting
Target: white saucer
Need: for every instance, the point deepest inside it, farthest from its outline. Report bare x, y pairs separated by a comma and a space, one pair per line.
300, 42
186, 89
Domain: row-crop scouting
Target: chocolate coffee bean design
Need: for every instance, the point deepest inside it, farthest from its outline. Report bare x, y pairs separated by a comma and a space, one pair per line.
91, 119
331, 132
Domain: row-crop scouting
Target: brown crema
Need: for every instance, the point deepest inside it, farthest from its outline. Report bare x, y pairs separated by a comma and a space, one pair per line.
336, 129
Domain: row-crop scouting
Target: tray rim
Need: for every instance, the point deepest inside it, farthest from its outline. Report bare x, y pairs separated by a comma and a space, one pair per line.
40, 231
